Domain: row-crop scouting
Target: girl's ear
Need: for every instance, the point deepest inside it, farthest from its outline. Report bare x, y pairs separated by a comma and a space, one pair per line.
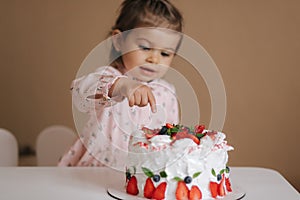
117, 39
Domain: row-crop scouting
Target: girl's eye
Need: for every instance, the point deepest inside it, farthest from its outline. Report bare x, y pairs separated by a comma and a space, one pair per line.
144, 48
165, 54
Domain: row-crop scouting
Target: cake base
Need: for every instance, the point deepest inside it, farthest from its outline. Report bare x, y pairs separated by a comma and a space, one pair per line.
117, 192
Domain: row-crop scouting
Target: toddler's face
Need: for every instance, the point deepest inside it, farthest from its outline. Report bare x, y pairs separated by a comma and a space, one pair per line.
148, 52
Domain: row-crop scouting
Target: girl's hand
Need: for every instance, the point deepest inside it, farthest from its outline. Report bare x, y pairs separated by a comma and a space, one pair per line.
136, 93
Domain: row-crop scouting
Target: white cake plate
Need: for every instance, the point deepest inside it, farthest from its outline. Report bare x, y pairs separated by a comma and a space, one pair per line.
118, 193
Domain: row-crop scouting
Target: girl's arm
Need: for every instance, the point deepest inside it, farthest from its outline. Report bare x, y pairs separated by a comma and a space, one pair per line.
90, 92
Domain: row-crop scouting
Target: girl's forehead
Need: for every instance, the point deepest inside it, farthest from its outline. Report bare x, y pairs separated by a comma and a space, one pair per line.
164, 38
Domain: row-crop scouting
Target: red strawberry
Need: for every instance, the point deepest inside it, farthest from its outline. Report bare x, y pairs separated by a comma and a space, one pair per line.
181, 135
132, 186
199, 128
182, 191
149, 188
221, 189
150, 131
212, 134
185, 134
149, 135
195, 193
168, 125
228, 185
213, 189
194, 138
159, 192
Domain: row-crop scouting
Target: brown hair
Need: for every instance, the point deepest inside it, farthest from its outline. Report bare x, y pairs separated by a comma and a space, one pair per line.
145, 13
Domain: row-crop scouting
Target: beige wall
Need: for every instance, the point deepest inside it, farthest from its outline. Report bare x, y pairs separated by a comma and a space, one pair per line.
254, 44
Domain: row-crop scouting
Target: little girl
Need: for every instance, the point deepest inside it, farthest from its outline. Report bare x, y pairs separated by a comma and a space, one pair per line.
129, 93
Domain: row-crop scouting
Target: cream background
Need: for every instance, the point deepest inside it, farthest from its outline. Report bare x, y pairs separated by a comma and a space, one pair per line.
255, 44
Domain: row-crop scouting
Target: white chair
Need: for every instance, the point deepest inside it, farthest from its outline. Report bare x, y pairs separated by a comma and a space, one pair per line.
52, 143
8, 149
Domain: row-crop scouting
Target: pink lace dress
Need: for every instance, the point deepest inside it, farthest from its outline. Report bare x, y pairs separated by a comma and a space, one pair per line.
104, 139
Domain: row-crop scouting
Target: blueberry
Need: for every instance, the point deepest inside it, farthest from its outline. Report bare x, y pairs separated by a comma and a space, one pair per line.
128, 175
156, 178
188, 179
219, 177
227, 169
163, 130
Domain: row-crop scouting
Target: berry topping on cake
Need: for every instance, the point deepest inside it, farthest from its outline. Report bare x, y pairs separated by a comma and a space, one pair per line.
213, 189
187, 179
129, 172
149, 188
195, 193
168, 125
221, 189
128, 176
177, 132
199, 128
132, 187
159, 192
219, 177
194, 138
149, 133
182, 191
163, 130
228, 185
156, 178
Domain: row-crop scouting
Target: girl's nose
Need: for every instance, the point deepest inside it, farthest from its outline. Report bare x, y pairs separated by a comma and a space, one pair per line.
153, 57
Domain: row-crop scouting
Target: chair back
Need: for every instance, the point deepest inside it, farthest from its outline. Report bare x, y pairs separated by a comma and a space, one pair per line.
8, 149
52, 143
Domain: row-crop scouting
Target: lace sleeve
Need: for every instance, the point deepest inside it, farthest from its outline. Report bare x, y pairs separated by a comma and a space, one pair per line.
90, 92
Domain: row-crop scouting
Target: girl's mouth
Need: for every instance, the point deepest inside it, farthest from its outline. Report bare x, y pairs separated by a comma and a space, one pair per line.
148, 69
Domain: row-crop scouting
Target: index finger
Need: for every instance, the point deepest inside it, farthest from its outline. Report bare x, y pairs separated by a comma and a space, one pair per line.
152, 101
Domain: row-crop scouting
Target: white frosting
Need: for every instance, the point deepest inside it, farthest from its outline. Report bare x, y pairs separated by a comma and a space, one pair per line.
179, 159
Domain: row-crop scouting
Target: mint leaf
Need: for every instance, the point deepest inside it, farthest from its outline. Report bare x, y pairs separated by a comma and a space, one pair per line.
174, 130
213, 172
196, 174
199, 135
169, 131
147, 172
163, 174
222, 171
176, 178
227, 169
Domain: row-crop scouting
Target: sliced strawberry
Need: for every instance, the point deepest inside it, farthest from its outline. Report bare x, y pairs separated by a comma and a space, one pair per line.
159, 192
195, 193
182, 191
150, 131
228, 185
149, 135
131, 187
168, 125
221, 189
213, 189
194, 138
149, 188
181, 135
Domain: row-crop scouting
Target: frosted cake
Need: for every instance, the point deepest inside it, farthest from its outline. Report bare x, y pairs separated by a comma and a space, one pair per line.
178, 162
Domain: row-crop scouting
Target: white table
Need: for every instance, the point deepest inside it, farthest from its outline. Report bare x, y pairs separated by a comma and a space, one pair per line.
54, 183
